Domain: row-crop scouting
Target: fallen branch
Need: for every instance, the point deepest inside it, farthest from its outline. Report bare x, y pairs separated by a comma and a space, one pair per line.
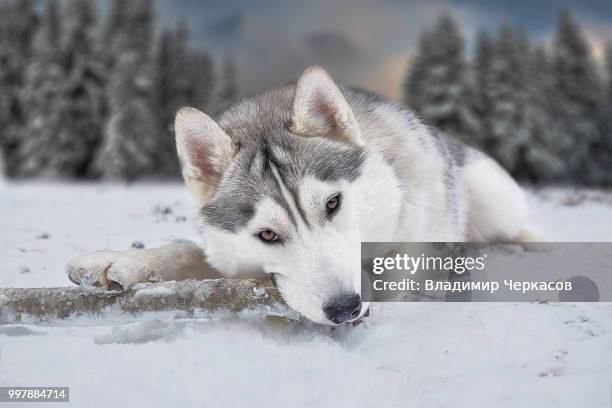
233, 295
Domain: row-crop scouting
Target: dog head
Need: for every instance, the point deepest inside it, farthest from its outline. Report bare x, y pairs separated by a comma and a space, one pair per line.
282, 185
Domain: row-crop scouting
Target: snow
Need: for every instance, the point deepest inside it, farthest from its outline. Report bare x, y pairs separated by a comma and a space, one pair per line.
419, 354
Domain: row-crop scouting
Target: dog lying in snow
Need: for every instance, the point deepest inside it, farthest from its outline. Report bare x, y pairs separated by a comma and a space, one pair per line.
291, 180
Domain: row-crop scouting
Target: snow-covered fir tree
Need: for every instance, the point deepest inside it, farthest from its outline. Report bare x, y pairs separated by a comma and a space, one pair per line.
413, 86
82, 91
228, 91
483, 59
94, 85
164, 79
506, 89
42, 96
171, 80
18, 21
167, 96
540, 159
444, 96
5, 87
602, 148
201, 75
183, 77
608, 72
578, 96
131, 147
115, 23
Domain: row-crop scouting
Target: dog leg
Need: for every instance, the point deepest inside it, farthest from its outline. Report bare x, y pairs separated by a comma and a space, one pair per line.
122, 269
498, 208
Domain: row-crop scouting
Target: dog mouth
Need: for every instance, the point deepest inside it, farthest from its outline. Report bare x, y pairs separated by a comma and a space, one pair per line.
357, 321
352, 323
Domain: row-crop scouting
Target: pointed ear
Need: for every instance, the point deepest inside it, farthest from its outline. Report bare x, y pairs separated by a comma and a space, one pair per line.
205, 152
319, 109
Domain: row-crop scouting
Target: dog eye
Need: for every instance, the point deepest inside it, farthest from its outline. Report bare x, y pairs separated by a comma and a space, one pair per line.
333, 204
268, 236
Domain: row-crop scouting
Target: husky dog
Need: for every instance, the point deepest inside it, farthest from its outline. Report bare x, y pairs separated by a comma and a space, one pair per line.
291, 180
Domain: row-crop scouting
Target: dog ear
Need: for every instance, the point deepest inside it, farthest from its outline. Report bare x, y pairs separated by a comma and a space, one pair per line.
319, 109
205, 152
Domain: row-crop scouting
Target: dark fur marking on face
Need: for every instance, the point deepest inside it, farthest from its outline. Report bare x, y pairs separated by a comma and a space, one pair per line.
277, 195
296, 199
285, 175
259, 125
230, 215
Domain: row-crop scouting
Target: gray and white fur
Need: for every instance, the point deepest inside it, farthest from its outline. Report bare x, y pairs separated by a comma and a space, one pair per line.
290, 181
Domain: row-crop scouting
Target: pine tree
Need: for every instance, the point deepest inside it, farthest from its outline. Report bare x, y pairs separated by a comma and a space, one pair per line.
602, 148
171, 77
417, 75
578, 95
18, 21
43, 98
83, 95
540, 159
483, 61
172, 86
444, 96
507, 98
228, 93
164, 79
131, 147
608, 70
201, 77
6, 90
115, 23
183, 77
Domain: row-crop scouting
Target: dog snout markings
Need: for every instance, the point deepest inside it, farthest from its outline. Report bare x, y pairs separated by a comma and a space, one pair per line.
343, 309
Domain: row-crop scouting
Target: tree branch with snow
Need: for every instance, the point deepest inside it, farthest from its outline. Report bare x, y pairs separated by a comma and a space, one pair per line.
213, 295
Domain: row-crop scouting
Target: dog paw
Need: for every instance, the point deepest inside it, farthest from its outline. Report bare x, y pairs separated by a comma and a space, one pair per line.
105, 269
532, 241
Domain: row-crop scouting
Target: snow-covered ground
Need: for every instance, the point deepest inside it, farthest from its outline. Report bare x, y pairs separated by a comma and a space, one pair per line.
420, 354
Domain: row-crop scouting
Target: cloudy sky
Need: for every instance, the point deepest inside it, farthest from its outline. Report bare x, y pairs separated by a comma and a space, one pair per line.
369, 43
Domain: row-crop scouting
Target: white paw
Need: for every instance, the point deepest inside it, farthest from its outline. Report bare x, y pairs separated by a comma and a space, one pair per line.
106, 269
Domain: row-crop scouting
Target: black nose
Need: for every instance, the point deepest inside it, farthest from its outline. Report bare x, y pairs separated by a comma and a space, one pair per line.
343, 309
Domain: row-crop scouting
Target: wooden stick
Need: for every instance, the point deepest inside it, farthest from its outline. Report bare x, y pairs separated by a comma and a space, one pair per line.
212, 295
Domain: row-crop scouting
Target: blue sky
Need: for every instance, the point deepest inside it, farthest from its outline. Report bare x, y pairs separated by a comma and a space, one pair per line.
366, 42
